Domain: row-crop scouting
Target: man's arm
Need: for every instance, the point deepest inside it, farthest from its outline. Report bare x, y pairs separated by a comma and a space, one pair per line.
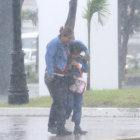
49, 57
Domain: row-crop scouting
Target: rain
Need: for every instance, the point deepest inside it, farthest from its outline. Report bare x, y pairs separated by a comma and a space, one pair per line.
111, 33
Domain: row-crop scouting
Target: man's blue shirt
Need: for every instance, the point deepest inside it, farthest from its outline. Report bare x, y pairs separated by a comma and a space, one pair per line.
56, 56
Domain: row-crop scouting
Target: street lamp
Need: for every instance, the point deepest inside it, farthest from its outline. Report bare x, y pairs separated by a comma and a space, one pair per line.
18, 86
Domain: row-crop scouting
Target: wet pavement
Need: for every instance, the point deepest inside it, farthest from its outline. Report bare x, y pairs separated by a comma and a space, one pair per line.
105, 126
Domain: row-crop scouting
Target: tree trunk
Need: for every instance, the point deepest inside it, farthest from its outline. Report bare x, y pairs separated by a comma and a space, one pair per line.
125, 37
88, 75
6, 43
124, 53
119, 46
72, 14
37, 55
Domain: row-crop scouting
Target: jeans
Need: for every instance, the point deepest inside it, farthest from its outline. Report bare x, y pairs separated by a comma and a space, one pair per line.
74, 103
58, 90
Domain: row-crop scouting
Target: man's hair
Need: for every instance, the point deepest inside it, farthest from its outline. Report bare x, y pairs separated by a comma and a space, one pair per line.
66, 31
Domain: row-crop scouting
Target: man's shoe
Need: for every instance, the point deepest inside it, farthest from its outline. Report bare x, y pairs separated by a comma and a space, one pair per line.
78, 130
52, 130
63, 132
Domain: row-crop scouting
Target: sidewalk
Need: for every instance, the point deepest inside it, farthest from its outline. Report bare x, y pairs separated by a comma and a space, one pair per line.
101, 124
86, 112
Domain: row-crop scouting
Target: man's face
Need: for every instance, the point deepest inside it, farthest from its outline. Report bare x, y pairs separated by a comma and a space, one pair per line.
66, 39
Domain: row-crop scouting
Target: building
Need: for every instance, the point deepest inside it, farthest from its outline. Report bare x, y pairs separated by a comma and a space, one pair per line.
29, 4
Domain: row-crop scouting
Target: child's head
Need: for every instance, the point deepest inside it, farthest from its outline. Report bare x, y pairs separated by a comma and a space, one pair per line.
75, 49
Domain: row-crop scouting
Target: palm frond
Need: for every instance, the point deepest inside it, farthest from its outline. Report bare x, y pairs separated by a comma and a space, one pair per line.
96, 6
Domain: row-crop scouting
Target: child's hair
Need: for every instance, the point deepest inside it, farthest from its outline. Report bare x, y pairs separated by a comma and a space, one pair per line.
76, 46
66, 31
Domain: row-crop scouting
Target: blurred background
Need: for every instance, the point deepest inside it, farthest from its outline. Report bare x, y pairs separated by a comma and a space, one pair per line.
30, 42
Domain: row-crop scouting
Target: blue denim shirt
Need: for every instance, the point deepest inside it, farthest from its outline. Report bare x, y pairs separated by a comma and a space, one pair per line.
56, 55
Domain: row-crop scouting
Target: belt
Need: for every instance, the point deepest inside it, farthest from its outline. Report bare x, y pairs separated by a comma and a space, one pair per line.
57, 74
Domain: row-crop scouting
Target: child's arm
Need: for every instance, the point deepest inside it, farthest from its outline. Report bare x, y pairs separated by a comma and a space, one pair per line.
84, 66
73, 63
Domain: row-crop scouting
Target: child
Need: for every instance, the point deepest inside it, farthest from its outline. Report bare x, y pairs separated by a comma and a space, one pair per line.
77, 65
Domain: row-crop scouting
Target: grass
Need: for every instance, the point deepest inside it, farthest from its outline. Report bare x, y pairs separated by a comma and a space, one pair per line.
44, 101
112, 98
94, 98
133, 71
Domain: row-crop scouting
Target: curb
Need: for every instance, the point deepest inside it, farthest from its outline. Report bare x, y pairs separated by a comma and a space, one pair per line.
126, 138
86, 112
24, 111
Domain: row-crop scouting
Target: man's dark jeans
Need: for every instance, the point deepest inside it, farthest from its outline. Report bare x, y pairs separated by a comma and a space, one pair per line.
58, 90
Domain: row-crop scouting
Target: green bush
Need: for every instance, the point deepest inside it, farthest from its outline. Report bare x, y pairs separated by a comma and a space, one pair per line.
31, 77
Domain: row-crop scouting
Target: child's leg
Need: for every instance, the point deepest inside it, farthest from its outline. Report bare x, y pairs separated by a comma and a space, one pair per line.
70, 104
77, 113
77, 109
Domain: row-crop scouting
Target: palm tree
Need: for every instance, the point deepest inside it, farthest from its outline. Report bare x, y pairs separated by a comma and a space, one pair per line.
71, 14
98, 7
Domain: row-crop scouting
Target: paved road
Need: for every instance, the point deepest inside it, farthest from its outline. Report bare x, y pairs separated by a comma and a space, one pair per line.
99, 128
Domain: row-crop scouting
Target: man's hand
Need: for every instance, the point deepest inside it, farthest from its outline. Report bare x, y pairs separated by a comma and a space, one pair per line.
86, 57
49, 79
75, 77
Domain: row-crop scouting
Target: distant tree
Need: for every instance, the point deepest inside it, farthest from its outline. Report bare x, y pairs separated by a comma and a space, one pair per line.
33, 16
98, 7
129, 24
30, 14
